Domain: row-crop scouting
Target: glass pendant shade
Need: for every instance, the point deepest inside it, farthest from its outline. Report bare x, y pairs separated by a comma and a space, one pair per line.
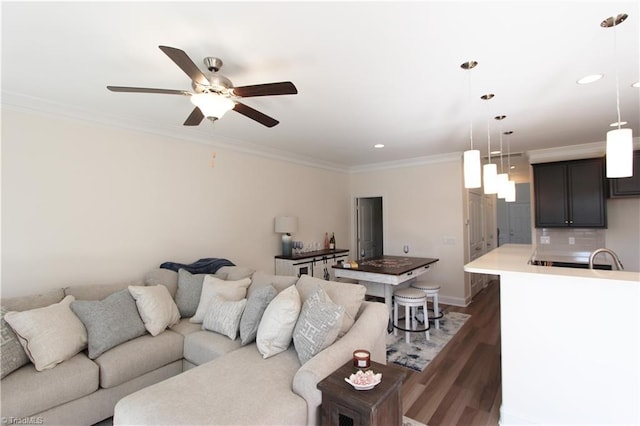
212, 105
503, 182
472, 169
619, 153
490, 177
510, 196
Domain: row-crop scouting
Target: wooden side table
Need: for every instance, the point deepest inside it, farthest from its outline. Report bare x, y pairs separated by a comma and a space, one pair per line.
343, 405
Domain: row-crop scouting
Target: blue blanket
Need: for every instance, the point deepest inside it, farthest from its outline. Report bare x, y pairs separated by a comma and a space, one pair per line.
209, 265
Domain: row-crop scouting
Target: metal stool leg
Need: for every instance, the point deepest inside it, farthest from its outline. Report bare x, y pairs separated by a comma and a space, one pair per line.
395, 318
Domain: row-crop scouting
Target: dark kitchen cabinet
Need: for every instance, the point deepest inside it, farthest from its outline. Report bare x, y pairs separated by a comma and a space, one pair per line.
629, 186
570, 194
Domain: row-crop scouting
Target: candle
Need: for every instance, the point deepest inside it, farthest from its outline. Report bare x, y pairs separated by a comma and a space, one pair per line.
361, 358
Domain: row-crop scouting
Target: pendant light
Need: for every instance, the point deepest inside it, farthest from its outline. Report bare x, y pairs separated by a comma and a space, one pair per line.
471, 158
511, 187
619, 141
489, 170
502, 178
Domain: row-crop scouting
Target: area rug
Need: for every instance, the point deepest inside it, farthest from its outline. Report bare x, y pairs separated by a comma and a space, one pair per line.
420, 352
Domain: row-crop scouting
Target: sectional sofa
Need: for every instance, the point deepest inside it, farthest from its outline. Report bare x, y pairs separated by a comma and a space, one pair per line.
235, 347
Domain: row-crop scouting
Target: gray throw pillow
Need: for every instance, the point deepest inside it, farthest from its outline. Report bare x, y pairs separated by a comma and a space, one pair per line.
189, 291
11, 351
110, 321
318, 325
256, 304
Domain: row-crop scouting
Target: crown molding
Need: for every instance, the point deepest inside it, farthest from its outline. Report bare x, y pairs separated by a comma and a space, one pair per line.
571, 152
412, 162
30, 105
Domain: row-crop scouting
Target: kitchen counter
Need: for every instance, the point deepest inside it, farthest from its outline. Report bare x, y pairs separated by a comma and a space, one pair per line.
515, 258
570, 341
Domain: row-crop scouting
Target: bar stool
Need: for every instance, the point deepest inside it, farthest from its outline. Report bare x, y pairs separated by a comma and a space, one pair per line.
430, 290
411, 299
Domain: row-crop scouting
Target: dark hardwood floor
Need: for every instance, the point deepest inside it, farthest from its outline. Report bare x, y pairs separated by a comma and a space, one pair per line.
462, 385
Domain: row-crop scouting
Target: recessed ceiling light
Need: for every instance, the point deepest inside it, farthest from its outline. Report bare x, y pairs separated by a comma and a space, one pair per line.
495, 152
590, 78
636, 84
512, 167
622, 123
378, 145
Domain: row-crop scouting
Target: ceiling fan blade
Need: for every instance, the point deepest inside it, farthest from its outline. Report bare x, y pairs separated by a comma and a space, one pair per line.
186, 64
268, 89
256, 115
148, 90
194, 118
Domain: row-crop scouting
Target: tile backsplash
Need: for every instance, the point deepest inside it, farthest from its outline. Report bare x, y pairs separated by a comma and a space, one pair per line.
578, 242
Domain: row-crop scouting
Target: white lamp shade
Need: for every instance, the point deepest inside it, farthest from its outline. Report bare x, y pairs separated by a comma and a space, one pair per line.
472, 169
286, 224
511, 192
619, 153
211, 104
503, 184
490, 177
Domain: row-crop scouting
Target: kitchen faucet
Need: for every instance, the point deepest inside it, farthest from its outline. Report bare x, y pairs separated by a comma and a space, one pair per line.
616, 259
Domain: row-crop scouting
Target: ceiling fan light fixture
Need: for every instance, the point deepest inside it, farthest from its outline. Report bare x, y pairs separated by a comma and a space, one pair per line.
212, 105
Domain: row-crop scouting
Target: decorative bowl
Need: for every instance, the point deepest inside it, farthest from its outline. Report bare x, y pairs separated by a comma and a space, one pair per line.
364, 380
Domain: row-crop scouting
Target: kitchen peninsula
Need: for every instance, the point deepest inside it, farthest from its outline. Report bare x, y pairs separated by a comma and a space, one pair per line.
570, 341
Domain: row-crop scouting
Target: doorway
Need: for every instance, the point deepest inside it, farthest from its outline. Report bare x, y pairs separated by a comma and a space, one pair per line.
369, 229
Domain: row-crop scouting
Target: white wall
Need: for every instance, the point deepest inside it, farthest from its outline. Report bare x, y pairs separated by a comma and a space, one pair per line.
84, 203
422, 208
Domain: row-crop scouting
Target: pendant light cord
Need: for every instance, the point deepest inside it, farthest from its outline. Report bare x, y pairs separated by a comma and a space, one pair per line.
615, 64
470, 110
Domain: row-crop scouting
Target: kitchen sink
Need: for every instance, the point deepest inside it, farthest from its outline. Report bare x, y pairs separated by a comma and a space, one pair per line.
570, 264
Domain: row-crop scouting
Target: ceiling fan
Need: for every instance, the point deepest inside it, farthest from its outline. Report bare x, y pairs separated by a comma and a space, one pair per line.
214, 95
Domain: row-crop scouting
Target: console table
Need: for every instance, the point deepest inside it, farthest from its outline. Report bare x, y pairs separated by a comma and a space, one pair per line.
380, 406
315, 263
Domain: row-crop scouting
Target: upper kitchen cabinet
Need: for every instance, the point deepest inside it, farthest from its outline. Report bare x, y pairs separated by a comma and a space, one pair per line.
570, 194
630, 186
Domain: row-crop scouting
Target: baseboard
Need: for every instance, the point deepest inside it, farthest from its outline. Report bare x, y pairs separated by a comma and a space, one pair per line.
454, 301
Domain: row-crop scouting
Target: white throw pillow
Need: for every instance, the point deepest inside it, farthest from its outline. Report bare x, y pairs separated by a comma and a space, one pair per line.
156, 307
279, 319
232, 291
49, 335
224, 317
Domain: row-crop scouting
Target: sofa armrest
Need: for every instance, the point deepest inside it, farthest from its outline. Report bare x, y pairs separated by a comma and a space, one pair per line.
368, 332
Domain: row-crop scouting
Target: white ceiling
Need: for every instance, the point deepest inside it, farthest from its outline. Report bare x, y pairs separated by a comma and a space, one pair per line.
366, 72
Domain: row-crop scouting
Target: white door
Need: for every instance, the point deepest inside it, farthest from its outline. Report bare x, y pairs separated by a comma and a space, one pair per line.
369, 227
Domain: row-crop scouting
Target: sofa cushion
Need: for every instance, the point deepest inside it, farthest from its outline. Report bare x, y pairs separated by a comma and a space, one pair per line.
189, 290
165, 277
235, 273
49, 335
203, 346
279, 319
185, 327
28, 391
110, 321
213, 286
348, 295
94, 292
248, 390
24, 303
156, 307
224, 316
262, 279
257, 302
149, 353
318, 325
12, 353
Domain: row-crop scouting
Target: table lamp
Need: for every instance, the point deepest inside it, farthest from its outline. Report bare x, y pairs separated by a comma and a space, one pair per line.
286, 225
